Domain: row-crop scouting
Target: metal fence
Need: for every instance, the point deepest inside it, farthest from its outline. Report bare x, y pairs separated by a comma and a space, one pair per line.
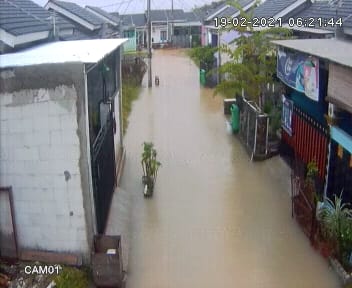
254, 129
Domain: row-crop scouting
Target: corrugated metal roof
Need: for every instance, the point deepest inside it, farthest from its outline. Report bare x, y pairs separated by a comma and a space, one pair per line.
79, 11
337, 51
84, 51
17, 21
104, 13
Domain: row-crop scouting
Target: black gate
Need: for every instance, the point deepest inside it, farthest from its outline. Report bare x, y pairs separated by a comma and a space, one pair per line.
103, 172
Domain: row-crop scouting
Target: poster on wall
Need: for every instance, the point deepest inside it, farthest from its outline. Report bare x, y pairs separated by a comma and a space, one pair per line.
286, 115
300, 72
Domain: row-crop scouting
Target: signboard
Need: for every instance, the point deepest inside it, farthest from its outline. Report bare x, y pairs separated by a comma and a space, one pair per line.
300, 72
286, 115
340, 86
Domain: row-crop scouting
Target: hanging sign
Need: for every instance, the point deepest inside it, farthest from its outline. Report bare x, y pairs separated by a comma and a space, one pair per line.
300, 72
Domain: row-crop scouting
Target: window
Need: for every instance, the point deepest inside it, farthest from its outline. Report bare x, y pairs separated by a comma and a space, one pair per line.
162, 36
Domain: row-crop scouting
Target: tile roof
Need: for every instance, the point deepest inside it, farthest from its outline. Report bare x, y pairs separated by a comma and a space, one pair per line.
79, 11
138, 20
102, 12
42, 13
17, 21
271, 7
231, 10
214, 7
167, 15
325, 10
192, 17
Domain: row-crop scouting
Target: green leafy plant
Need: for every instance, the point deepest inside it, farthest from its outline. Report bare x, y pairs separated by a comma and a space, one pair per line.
203, 55
150, 164
253, 59
71, 277
312, 169
336, 220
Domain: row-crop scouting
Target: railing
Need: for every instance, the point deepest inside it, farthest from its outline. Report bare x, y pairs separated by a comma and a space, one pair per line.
130, 45
254, 129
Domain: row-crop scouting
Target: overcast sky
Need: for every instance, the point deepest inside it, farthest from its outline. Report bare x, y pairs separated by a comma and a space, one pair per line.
135, 6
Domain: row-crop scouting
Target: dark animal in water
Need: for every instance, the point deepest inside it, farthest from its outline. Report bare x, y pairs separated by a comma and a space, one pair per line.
157, 81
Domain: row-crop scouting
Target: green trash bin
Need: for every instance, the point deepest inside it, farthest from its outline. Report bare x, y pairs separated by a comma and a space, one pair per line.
202, 77
235, 118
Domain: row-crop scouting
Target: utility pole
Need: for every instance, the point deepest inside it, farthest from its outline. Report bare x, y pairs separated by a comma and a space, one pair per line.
149, 46
172, 21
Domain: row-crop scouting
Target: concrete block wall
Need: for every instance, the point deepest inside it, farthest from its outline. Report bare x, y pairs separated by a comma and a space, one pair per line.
39, 158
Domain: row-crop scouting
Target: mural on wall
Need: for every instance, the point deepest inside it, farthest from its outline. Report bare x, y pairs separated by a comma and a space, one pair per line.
300, 72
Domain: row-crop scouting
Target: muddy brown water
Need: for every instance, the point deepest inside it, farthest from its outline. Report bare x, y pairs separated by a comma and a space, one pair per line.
215, 219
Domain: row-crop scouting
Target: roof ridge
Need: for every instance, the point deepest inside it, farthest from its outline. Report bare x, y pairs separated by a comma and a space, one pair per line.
26, 12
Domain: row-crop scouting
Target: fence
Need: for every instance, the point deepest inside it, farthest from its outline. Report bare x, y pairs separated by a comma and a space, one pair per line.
254, 129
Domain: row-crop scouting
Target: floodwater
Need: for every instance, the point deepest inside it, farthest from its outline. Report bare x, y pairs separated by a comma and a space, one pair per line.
215, 219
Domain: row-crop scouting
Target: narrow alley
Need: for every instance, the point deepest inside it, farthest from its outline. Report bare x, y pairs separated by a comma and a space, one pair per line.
215, 219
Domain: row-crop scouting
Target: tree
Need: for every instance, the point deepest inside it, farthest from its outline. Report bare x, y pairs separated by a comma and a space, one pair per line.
253, 62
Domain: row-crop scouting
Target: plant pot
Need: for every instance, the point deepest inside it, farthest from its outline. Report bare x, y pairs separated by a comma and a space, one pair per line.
148, 186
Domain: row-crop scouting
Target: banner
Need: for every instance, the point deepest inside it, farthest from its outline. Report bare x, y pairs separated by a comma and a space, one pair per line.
286, 115
300, 72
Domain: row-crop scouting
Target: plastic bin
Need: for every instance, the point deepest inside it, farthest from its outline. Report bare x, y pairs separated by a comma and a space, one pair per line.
235, 118
227, 105
202, 77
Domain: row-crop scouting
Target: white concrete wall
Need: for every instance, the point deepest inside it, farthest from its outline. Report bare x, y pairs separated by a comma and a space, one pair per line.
38, 142
156, 33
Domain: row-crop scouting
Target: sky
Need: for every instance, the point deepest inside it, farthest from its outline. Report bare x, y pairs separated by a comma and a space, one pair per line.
135, 6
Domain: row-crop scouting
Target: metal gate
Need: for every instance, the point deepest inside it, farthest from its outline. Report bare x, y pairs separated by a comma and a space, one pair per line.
254, 129
103, 172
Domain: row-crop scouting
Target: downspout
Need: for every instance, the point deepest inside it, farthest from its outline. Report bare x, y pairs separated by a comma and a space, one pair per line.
89, 160
120, 98
219, 56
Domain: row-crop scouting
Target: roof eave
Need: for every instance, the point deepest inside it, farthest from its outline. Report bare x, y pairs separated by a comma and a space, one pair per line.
14, 40
72, 16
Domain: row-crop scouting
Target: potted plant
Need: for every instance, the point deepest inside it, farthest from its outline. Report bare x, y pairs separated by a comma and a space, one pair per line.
336, 220
311, 185
150, 167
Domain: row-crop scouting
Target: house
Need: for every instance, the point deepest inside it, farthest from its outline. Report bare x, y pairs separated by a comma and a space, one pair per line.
61, 142
212, 30
325, 10
24, 23
161, 25
332, 59
187, 34
133, 27
88, 24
